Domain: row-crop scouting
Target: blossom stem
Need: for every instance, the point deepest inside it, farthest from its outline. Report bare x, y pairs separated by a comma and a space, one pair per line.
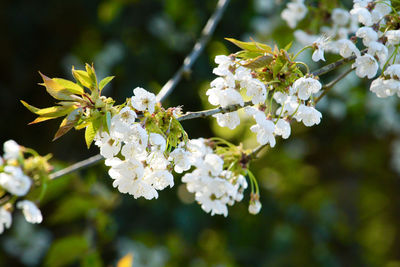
208, 30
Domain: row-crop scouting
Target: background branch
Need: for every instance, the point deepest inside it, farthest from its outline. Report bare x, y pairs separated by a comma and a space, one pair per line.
208, 30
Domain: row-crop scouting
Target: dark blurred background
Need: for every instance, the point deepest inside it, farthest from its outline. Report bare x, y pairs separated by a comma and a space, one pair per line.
330, 193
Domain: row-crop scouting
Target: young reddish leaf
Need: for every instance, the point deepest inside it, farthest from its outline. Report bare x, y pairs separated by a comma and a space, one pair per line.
67, 124
41, 119
105, 81
258, 62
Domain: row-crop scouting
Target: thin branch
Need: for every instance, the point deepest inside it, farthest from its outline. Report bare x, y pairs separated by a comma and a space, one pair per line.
327, 68
326, 88
209, 112
77, 166
208, 30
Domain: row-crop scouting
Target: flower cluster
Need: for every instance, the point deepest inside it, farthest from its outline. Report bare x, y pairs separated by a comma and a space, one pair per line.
214, 187
376, 26
139, 159
14, 182
294, 101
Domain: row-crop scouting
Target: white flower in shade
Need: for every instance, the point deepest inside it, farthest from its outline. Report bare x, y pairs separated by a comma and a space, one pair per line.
366, 65
367, 34
320, 46
305, 38
230, 120
340, 16
31, 212
224, 63
289, 103
393, 37
378, 49
305, 87
243, 74
363, 15
265, 130
108, 147
254, 207
383, 7
213, 164
282, 128
219, 83
230, 97
384, 88
393, 71
157, 142
256, 90
11, 150
214, 96
347, 48
181, 159
308, 115
143, 100
5, 219
15, 181
160, 179
294, 12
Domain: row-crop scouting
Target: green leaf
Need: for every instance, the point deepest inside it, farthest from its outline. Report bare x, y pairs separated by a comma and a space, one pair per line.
31, 108
54, 89
66, 251
259, 62
251, 46
56, 111
82, 78
92, 74
67, 124
244, 54
105, 81
91, 131
70, 86
288, 46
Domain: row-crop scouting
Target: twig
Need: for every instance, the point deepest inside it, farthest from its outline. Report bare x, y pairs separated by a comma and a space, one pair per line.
77, 166
326, 88
196, 51
209, 112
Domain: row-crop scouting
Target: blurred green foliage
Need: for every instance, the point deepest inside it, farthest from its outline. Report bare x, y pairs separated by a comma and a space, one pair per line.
328, 193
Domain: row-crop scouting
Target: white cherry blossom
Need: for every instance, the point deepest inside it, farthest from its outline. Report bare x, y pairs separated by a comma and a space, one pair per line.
143, 100
31, 212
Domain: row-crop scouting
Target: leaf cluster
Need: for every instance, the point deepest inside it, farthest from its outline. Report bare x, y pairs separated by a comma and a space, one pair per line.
80, 103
